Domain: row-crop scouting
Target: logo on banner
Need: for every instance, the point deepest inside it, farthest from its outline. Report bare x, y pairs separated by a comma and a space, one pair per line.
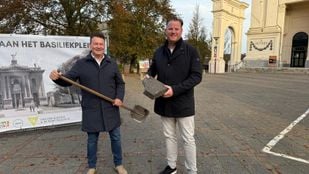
33, 120
18, 123
4, 124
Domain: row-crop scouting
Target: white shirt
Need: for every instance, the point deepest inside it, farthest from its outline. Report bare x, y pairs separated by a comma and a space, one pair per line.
98, 60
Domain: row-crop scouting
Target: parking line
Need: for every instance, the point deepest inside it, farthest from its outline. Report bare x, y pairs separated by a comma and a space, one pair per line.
275, 140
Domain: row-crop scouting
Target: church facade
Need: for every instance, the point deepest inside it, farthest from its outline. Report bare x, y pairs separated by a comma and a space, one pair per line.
21, 86
278, 34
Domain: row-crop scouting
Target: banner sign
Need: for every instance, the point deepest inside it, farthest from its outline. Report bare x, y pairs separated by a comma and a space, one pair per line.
28, 98
36, 120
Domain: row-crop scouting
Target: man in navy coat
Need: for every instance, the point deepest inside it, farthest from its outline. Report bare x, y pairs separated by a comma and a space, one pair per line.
177, 65
100, 73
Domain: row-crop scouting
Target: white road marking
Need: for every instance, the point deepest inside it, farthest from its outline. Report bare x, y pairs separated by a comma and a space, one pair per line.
275, 140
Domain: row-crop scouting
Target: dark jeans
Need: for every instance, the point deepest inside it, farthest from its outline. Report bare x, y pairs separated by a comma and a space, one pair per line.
92, 147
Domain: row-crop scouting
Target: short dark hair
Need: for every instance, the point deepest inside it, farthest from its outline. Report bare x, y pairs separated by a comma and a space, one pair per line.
97, 34
175, 18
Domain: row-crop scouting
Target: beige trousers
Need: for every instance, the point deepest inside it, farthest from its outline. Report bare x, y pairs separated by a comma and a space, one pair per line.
186, 129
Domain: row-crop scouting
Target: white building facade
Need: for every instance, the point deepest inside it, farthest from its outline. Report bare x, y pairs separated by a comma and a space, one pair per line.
21, 86
278, 34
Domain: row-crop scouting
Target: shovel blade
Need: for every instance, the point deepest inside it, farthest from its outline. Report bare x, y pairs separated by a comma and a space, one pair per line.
139, 113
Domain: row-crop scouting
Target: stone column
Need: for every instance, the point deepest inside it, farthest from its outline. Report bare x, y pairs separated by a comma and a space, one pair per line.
8, 87
29, 87
25, 86
281, 23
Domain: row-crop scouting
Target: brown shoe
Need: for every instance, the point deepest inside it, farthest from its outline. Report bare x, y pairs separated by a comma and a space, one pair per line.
92, 171
121, 170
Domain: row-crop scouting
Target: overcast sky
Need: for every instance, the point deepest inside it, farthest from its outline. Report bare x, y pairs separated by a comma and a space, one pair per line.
186, 8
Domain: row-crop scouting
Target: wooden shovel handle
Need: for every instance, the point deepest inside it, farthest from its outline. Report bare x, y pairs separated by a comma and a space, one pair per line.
92, 91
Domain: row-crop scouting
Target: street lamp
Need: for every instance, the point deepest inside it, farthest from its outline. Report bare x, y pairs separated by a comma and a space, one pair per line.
106, 34
105, 31
215, 54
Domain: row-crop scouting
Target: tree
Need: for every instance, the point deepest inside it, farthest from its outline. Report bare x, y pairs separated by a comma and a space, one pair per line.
71, 90
51, 17
137, 28
197, 36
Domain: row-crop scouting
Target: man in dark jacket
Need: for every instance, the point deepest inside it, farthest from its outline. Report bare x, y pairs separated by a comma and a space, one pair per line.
99, 72
177, 65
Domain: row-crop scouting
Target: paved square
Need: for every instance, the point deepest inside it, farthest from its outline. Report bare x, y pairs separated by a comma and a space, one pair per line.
237, 115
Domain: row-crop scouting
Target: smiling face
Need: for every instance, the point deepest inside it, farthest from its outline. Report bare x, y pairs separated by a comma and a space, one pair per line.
97, 46
173, 31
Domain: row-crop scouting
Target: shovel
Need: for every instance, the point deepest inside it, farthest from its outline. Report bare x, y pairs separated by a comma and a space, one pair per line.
138, 113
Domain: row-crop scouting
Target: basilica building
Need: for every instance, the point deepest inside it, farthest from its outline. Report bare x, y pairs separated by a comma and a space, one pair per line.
278, 34
21, 86
277, 37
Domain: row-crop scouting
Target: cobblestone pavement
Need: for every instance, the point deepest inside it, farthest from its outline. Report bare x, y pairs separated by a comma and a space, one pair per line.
237, 115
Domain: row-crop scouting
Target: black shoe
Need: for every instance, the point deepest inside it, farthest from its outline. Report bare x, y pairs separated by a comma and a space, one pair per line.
169, 170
